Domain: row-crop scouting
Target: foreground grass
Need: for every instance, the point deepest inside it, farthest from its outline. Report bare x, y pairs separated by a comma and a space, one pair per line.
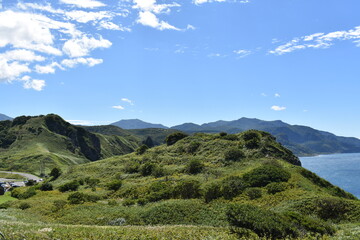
6, 198
16, 230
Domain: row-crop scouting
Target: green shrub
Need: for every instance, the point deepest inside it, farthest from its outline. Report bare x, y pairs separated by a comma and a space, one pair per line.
117, 222
55, 173
30, 183
261, 176
58, 205
194, 166
192, 147
264, 223
23, 193
233, 154
46, 186
252, 139
276, 187
159, 191
174, 137
231, 137
310, 224
70, 186
80, 198
24, 206
253, 193
142, 149
332, 208
187, 189
147, 169
114, 185
212, 192
131, 167
232, 186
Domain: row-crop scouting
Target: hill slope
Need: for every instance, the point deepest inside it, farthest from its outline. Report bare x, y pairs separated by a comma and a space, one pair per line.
31, 143
246, 181
301, 140
136, 124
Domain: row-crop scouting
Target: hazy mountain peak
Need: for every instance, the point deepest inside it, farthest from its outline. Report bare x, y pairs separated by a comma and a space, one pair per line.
3, 117
136, 124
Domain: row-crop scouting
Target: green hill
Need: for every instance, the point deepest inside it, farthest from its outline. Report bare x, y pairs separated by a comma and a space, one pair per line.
218, 186
34, 144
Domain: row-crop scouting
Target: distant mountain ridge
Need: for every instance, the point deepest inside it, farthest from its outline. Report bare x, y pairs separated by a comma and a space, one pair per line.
302, 140
136, 124
3, 117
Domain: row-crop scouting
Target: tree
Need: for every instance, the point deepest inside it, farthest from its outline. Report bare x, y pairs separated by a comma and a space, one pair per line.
55, 173
174, 137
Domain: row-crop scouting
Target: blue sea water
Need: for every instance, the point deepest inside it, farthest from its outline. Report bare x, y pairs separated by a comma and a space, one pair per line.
342, 170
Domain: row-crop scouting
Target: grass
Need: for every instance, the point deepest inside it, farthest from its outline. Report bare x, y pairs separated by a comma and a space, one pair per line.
7, 197
11, 176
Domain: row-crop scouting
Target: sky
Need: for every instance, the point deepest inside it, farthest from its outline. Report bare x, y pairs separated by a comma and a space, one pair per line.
95, 62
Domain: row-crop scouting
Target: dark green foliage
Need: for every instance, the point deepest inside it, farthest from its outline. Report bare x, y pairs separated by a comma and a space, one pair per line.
132, 167
20, 120
2, 191
55, 173
234, 154
187, 189
174, 137
212, 192
80, 198
253, 193
310, 224
58, 205
30, 183
261, 176
23, 193
192, 147
194, 166
276, 187
252, 139
46, 186
24, 206
222, 134
6, 136
159, 191
332, 209
142, 149
231, 137
232, 186
70, 186
264, 223
149, 142
114, 185
92, 182
148, 169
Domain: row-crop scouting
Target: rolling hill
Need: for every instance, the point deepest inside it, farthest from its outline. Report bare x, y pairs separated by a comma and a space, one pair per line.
39, 143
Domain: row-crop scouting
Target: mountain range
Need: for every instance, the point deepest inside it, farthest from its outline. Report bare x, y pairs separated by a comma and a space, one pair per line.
3, 117
136, 124
302, 140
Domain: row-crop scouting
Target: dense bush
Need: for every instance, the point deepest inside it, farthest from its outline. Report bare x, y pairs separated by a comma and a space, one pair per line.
310, 224
192, 147
174, 137
187, 189
80, 198
253, 193
194, 166
46, 186
58, 205
131, 167
159, 191
70, 186
24, 206
55, 173
252, 139
30, 183
276, 187
261, 176
332, 208
232, 186
212, 192
264, 223
233, 154
142, 149
114, 185
21, 193
147, 169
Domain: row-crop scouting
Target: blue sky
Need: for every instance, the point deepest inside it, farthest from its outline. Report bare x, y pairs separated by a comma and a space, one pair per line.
170, 62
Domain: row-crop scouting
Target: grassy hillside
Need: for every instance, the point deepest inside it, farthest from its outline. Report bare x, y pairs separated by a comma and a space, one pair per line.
43, 142
218, 186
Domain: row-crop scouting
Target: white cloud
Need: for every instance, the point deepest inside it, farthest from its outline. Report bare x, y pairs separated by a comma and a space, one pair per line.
149, 19
112, 26
318, 40
47, 69
127, 100
84, 3
263, 94
190, 27
242, 53
34, 84
118, 107
71, 63
79, 122
198, 2
277, 95
80, 47
84, 17
11, 71
278, 108
21, 55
